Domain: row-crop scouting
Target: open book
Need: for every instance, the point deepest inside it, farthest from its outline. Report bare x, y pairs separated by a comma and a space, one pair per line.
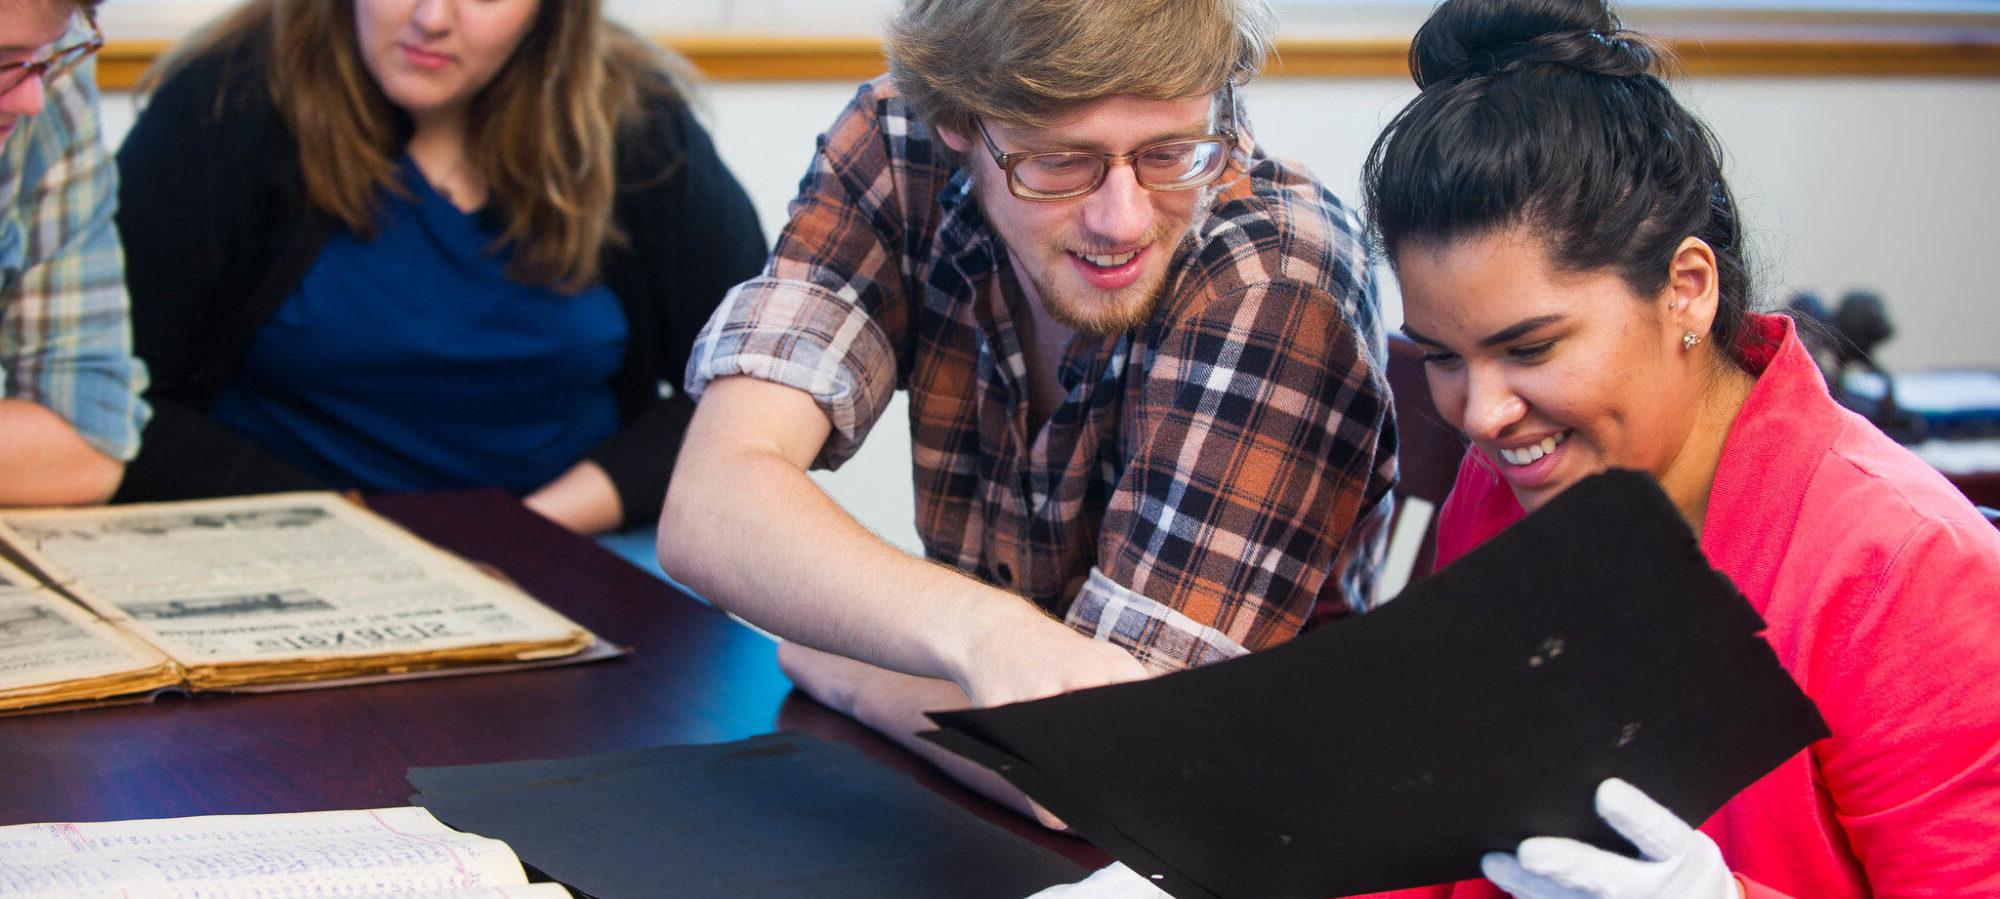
244, 593
379, 852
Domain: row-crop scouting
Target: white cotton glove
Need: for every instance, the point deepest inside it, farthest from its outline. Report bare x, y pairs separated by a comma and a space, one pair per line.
1679, 861
1113, 882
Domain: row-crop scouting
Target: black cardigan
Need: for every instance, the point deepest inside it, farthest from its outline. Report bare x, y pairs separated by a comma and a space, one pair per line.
218, 233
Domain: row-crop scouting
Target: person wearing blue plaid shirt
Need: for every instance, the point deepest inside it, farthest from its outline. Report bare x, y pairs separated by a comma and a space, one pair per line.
70, 411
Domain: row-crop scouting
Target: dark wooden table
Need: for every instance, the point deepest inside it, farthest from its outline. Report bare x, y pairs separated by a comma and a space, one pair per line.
693, 676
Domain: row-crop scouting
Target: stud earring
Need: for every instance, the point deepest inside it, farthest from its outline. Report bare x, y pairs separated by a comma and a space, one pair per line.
1689, 339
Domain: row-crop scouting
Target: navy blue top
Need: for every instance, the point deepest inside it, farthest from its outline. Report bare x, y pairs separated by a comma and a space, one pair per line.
412, 361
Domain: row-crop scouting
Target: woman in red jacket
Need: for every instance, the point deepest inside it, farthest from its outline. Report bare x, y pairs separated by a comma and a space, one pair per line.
1571, 260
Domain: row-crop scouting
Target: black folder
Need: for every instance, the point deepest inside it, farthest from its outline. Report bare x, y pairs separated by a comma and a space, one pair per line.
781, 815
1393, 749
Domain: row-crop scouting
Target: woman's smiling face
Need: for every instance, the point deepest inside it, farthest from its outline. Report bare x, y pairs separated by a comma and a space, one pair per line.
1556, 375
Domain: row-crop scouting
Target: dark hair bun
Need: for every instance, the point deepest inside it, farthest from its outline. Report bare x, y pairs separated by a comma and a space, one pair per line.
1466, 38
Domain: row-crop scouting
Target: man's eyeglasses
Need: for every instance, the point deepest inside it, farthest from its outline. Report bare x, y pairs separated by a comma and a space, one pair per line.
1179, 164
57, 63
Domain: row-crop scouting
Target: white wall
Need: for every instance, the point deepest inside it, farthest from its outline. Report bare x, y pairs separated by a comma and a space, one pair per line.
1886, 183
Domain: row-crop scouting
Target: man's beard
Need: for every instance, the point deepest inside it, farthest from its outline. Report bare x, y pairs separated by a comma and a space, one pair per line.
1101, 314
1098, 313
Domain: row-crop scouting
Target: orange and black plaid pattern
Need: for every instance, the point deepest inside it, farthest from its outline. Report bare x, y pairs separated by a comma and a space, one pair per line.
1210, 474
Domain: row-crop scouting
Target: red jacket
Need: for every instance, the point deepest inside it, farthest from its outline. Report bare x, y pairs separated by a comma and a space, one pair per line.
1881, 586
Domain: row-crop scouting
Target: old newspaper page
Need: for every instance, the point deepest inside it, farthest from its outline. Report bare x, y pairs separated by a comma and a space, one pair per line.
373, 852
284, 587
52, 650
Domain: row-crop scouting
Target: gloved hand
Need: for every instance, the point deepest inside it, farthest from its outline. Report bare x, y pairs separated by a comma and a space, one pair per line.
1679, 861
1111, 882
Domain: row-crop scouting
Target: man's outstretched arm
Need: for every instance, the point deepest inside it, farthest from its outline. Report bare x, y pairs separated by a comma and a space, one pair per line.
746, 527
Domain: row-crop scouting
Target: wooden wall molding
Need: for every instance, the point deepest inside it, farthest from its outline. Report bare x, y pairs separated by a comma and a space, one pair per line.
789, 58
753, 58
120, 63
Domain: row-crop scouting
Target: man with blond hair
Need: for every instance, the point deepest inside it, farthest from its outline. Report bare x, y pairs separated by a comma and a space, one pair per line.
69, 387
1148, 419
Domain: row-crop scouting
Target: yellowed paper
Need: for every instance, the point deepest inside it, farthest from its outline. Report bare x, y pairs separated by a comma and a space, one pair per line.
282, 587
52, 650
378, 852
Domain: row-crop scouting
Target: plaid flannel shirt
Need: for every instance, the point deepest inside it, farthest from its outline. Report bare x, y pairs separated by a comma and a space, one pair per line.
65, 325
1209, 475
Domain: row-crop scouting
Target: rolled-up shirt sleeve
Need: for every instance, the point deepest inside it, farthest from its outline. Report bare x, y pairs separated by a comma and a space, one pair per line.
829, 314
801, 335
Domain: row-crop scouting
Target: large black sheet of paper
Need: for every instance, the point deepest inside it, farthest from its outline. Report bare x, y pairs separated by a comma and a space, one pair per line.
782, 815
1392, 749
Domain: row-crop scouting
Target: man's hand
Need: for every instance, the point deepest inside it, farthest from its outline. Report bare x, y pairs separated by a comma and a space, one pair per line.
894, 703
1020, 654
1678, 861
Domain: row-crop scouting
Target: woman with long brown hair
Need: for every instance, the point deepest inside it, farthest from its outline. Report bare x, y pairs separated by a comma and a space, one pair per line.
418, 244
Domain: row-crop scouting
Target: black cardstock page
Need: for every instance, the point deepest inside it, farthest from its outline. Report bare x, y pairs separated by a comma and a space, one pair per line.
1393, 749
781, 815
